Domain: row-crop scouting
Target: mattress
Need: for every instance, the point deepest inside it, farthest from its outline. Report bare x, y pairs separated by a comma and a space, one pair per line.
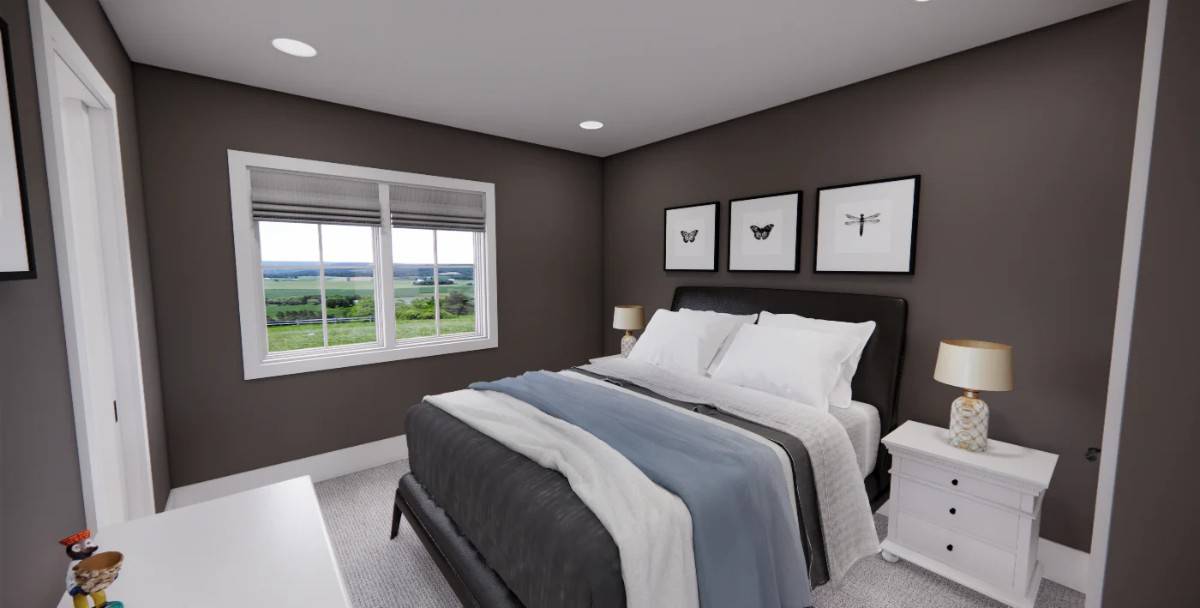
862, 424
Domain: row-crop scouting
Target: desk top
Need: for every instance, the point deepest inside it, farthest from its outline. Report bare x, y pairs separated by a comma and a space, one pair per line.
263, 547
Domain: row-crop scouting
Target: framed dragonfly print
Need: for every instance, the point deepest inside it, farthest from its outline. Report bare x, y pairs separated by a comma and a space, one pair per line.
16, 244
764, 233
868, 226
690, 237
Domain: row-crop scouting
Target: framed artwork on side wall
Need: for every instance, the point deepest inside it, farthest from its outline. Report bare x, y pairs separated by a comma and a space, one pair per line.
868, 226
690, 237
764, 233
16, 242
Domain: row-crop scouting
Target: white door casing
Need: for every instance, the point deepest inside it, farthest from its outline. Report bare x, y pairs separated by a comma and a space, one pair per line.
87, 197
1135, 213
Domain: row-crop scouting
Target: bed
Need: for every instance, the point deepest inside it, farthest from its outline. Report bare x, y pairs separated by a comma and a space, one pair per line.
507, 532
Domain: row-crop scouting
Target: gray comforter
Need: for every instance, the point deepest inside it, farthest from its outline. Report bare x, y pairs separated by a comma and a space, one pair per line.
747, 543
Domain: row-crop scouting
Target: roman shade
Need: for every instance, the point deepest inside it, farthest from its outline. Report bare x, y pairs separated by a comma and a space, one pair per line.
436, 208
283, 196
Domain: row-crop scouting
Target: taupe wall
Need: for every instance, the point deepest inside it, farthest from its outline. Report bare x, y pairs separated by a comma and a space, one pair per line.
548, 212
1154, 534
1024, 148
40, 495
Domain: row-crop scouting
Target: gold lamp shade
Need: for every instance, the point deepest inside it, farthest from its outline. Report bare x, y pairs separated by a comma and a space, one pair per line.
629, 317
975, 365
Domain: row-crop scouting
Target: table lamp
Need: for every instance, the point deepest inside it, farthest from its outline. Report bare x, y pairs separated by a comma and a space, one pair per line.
629, 317
974, 366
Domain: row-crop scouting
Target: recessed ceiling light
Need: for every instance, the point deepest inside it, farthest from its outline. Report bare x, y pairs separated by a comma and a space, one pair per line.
294, 47
591, 125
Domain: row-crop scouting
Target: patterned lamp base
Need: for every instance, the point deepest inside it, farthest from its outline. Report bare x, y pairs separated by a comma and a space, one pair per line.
969, 423
627, 342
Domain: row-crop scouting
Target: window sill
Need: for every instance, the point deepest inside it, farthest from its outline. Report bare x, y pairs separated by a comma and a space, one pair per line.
350, 356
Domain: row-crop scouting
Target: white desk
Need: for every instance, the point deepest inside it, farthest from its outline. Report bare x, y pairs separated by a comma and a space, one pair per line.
262, 547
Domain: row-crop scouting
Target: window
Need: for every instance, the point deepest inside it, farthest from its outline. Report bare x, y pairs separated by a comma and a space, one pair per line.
340, 265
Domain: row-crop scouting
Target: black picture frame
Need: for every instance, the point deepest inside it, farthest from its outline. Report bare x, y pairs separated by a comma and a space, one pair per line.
912, 253
5, 48
799, 227
716, 205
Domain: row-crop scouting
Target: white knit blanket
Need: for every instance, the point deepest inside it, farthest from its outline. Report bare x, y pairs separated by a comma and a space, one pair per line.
846, 520
651, 527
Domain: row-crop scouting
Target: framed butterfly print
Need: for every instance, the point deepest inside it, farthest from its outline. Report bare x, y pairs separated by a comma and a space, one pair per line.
868, 227
690, 237
764, 233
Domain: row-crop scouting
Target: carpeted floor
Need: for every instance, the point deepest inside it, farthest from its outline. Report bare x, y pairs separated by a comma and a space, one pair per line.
388, 574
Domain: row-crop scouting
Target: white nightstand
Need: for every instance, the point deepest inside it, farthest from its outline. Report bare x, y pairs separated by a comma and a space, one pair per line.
970, 517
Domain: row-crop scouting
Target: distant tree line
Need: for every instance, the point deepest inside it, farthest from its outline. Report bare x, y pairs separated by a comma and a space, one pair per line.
458, 272
308, 307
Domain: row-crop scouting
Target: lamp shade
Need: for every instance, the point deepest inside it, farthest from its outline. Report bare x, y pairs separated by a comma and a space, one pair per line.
975, 365
628, 317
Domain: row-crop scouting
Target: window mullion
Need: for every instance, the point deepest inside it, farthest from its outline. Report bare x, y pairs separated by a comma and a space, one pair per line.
321, 267
480, 279
385, 300
437, 299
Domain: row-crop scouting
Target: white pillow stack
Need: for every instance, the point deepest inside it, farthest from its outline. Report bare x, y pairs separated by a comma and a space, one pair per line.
685, 341
798, 364
859, 333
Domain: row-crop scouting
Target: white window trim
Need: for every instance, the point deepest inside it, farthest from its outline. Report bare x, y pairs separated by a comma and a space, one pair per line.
258, 363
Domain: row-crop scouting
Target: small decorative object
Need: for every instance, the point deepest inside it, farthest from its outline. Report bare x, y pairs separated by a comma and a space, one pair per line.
690, 240
764, 233
868, 227
16, 242
89, 572
629, 317
974, 366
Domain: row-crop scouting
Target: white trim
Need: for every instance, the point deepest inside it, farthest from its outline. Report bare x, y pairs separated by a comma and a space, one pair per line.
319, 468
53, 43
256, 361
1064, 565
1135, 214
1060, 563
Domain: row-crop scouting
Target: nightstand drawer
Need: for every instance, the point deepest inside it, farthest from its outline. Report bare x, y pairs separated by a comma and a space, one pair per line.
956, 481
956, 512
956, 550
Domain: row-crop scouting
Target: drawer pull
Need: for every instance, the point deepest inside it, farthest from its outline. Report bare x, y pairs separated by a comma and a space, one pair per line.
949, 547
953, 482
953, 510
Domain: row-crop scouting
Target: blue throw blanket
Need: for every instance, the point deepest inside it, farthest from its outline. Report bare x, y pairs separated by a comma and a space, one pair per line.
746, 542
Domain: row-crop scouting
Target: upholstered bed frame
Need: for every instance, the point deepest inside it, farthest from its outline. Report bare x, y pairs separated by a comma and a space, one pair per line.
876, 382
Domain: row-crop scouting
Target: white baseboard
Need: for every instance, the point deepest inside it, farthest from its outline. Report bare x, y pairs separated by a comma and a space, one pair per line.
1064, 565
1060, 563
319, 467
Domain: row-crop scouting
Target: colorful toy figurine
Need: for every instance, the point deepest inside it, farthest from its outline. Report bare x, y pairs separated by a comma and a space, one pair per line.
90, 573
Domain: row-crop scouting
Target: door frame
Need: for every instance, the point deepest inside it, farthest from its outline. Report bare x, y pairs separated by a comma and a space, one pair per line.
51, 40
1135, 213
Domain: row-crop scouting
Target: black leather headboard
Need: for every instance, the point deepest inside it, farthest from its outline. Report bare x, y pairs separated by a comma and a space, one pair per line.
878, 378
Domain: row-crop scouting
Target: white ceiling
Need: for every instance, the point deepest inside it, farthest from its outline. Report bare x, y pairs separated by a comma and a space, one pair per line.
532, 70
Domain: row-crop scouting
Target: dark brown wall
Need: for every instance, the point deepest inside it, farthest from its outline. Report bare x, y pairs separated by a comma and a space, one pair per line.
39, 477
548, 208
1024, 149
1154, 535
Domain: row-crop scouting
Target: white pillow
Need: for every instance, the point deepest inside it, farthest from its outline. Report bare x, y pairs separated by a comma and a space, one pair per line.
799, 364
861, 332
743, 319
684, 342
